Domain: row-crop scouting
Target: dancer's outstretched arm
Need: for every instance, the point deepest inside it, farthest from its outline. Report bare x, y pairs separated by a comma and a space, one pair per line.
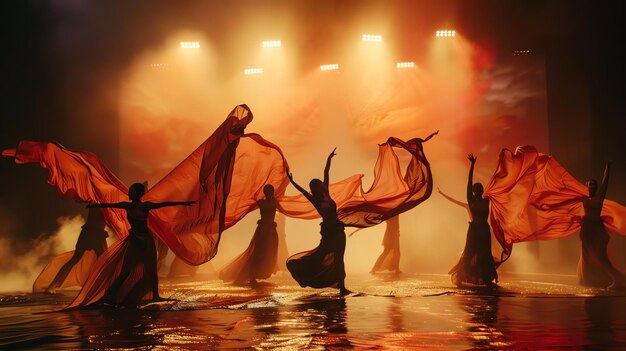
453, 200
114, 205
327, 168
300, 189
470, 178
156, 205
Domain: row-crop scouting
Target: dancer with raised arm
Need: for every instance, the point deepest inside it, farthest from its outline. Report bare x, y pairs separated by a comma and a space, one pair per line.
323, 266
138, 276
389, 259
259, 259
476, 265
595, 267
90, 245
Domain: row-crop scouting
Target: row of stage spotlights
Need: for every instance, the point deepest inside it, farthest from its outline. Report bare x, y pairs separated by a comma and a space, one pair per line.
327, 67
376, 38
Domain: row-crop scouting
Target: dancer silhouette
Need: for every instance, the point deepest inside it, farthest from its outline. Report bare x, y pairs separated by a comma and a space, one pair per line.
92, 237
476, 265
323, 266
259, 259
389, 259
594, 266
138, 276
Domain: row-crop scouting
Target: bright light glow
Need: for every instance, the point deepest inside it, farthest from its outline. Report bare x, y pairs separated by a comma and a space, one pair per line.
372, 37
190, 44
405, 64
446, 33
272, 44
256, 70
522, 52
330, 67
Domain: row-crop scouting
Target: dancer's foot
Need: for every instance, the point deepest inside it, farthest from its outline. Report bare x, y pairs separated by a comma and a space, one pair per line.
344, 292
160, 299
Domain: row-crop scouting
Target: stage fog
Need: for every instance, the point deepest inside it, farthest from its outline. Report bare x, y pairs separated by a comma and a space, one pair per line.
175, 94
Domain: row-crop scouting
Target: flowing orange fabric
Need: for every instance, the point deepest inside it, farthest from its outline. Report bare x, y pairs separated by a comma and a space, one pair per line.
77, 175
226, 176
534, 198
390, 194
76, 277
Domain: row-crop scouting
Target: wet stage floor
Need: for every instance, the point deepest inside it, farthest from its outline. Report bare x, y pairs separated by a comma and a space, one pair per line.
423, 312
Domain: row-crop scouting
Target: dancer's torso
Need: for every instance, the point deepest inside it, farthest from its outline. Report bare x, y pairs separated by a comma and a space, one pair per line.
593, 206
137, 215
480, 210
327, 208
267, 209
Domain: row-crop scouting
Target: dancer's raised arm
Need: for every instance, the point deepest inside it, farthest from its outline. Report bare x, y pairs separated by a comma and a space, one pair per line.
300, 189
470, 178
327, 168
605, 181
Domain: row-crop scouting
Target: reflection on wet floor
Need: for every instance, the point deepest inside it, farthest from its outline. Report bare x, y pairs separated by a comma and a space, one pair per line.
423, 312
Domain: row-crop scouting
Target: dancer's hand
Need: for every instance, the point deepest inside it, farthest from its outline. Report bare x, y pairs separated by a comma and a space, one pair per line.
290, 176
332, 153
472, 158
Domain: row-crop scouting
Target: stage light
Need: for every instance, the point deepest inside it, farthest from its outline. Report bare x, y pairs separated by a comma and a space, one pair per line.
522, 52
372, 38
255, 70
405, 65
330, 67
190, 44
446, 33
160, 66
271, 44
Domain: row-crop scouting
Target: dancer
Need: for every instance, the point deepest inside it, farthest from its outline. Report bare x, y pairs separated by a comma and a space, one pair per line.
283, 253
138, 275
92, 239
594, 267
389, 260
259, 260
323, 266
476, 265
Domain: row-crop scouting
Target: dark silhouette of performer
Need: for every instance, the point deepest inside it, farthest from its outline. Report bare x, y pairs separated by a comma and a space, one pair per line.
259, 259
141, 256
323, 266
594, 266
92, 237
476, 265
389, 260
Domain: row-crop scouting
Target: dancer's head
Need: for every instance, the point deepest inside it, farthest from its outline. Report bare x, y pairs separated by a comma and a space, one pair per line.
268, 190
592, 186
317, 187
477, 190
136, 191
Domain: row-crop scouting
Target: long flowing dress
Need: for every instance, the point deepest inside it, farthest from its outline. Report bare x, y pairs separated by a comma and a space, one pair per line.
389, 259
138, 272
283, 252
323, 266
594, 266
258, 261
476, 265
